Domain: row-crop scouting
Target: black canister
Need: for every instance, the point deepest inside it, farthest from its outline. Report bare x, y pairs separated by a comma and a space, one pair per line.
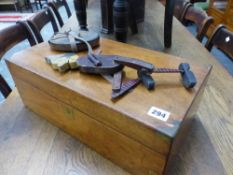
80, 9
120, 17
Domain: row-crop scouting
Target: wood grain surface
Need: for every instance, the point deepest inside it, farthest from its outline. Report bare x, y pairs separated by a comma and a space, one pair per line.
25, 147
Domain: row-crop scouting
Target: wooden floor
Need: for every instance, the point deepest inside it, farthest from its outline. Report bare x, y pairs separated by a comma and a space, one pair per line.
33, 157
210, 140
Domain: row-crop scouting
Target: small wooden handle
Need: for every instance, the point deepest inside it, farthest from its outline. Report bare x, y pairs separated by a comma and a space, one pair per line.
134, 63
93, 58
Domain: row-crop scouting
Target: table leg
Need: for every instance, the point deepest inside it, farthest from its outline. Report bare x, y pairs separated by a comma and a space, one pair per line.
168, 19
120, 15
4, 87
40, 3
80, 8
132, 16
28, 4
107, 16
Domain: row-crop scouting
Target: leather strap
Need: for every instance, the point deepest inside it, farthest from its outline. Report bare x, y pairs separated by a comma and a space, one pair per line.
73, 45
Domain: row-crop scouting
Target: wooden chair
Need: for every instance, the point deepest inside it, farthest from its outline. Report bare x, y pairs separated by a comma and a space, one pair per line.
39, 20
56, 5
41, 3
179, 8
200, 18
15, 3
221, 38
9, 37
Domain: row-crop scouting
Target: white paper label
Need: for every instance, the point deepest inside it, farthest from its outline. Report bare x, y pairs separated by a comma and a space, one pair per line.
158, 113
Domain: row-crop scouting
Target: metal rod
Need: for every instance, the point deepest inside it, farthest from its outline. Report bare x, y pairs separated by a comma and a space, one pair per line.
166, 70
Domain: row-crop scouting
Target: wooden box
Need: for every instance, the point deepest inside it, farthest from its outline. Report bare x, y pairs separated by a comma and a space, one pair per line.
122, 131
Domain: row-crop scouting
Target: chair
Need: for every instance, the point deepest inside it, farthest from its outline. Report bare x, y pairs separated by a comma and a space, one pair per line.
9, 37
27, 5
40, 3
39, 20
11, 2
179, 8
56, 5
221, 38
202, 5
200, 18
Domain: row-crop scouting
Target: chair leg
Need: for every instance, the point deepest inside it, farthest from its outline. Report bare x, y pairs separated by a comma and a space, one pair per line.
19, 7
81, 13
133, 22
36, 3
168, 20
4, 87
16, 9
134, 27
107, 16
40, 4
29, 5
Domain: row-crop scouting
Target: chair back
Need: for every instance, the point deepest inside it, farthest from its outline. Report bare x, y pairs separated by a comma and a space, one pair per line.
179, 8
9, 37
200, 18
55, 5
12, 35
221, 38
39, 20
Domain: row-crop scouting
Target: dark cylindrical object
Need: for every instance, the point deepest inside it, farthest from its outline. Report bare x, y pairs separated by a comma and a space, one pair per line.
80, 9
93, 58
168, 20
146, 79
107, 16
188, 77
120, 17
139, 9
